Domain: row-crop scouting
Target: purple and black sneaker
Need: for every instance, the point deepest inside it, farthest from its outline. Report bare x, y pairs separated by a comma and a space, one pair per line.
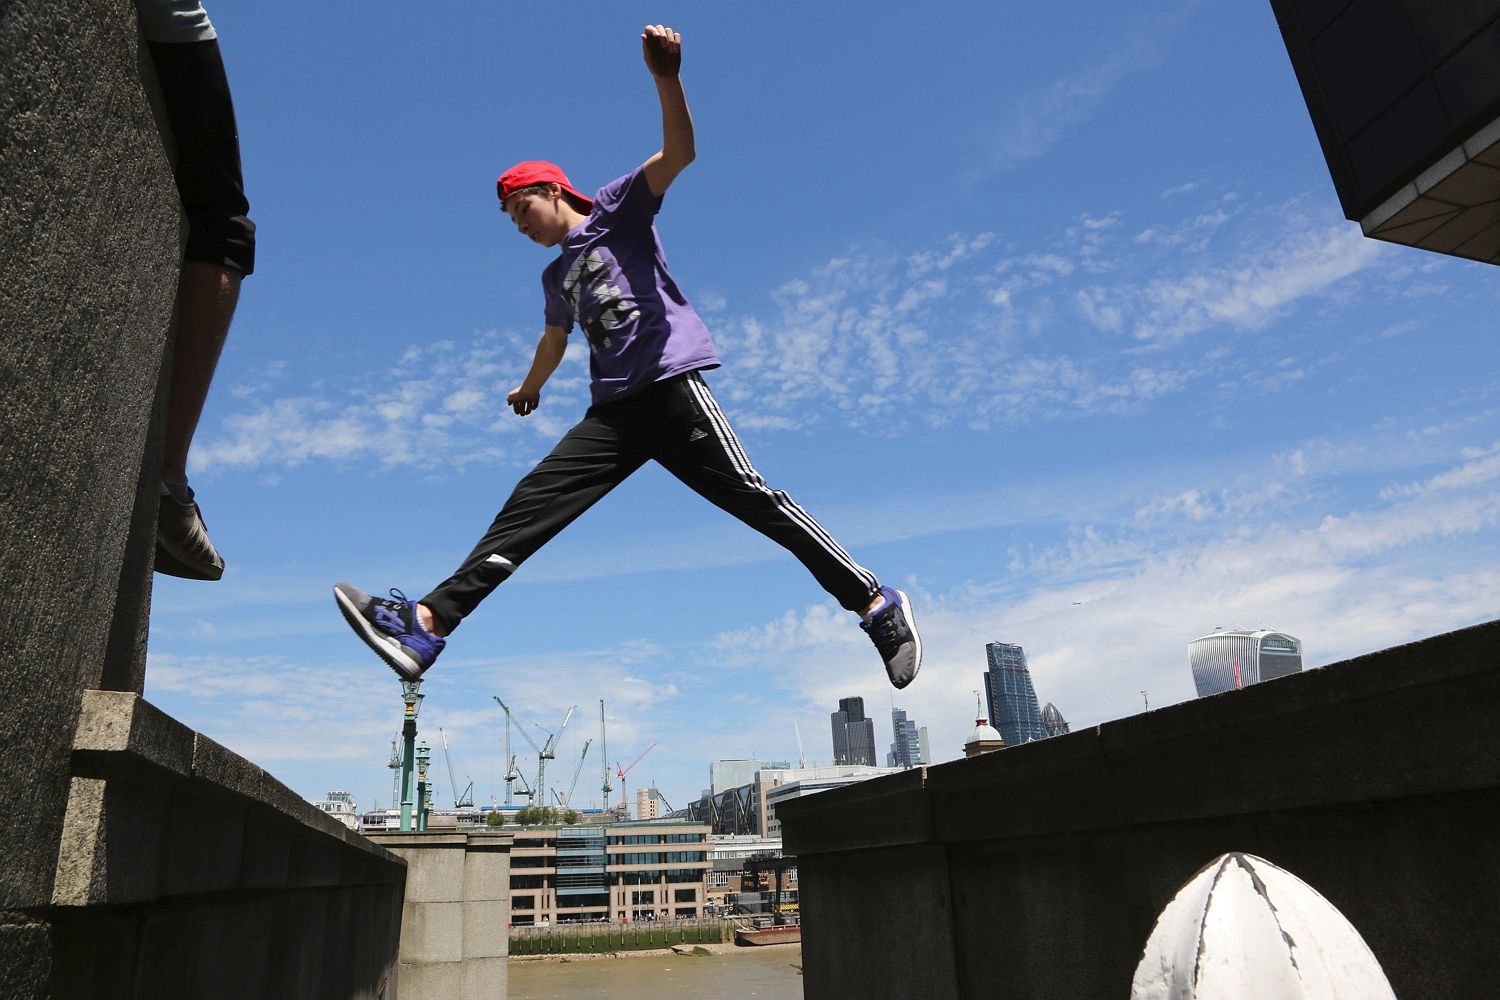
893, 630
390, 627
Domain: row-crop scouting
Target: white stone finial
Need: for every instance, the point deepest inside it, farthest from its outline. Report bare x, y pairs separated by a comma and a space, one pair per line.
1242, 927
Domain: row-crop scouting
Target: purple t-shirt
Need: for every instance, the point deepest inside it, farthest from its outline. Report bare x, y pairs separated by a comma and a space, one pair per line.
611, 279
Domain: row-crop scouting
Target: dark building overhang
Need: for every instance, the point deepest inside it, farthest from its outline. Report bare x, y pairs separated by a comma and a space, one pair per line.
1405, 98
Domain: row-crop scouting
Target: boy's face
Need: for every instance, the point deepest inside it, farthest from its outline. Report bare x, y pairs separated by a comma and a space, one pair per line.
539, 219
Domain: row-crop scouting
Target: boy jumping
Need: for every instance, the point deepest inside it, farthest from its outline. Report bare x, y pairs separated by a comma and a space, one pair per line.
648, 352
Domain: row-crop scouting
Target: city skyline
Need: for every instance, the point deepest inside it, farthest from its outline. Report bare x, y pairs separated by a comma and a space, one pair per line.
1084, 402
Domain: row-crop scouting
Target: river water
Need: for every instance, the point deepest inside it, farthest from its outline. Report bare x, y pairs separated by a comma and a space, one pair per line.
764, 973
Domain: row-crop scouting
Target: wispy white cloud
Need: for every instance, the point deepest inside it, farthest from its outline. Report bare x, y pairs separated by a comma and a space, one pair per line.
969, 333
1111, 612
445, 398
1038, 120
1482, 466
1249, 292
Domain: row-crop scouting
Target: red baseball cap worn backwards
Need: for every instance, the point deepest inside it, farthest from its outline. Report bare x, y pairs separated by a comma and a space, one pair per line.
524, 175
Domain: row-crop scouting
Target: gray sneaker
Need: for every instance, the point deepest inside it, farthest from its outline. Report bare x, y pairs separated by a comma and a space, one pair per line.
893, 630
183, 547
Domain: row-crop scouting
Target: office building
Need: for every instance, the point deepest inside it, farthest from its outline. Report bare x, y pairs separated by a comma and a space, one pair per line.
649, 803
617, 872
906, 745
1405, 98
853, 734
1010, 695
1053, 721
746, 811
1234, 658
775, 787
723, 774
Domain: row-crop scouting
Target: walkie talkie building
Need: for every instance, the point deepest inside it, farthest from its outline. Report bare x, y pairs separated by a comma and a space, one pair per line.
1236, 658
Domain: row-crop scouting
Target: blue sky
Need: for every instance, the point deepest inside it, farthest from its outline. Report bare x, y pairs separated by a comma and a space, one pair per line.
1048, 313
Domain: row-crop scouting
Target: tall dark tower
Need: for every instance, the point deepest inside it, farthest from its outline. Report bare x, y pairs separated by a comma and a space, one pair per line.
1007, 687
853, 734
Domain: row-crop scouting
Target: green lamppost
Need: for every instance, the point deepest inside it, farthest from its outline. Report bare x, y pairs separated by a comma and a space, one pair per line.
409, 801
424, 756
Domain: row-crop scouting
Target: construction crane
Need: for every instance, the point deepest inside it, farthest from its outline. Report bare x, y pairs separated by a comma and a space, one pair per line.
510, 761
604, 755
801, 754
526, 792
547, 751
620, 773
460, 801
565, 800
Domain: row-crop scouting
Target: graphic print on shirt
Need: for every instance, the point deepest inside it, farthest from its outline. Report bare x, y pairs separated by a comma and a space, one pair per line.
590, 281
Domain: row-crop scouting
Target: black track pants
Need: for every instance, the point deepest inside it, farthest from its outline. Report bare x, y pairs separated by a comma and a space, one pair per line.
677, 423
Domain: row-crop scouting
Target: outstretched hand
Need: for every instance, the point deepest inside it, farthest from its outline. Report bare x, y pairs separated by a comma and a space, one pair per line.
662, 48
523, 400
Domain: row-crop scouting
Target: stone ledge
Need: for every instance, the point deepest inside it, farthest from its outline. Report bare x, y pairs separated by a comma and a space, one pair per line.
156, 810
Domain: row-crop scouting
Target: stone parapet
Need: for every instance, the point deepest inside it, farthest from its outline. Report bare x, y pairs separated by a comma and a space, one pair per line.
1041, 869
455, 922
185, 870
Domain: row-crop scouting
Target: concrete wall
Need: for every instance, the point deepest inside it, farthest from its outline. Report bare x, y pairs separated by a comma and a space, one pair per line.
1040, 870
455, 922
141, 859
187, 871
89, 237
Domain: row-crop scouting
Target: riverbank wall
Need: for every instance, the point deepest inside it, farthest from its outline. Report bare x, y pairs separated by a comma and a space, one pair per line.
1040, 870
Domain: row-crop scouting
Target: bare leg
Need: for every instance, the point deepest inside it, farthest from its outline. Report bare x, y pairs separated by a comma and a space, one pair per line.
206, 297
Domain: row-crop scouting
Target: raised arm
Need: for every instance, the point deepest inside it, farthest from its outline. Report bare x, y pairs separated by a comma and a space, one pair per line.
662, 48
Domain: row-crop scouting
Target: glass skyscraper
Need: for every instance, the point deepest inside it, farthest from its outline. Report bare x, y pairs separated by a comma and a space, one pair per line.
1007, 687
853, 734
906, 748
1236, 658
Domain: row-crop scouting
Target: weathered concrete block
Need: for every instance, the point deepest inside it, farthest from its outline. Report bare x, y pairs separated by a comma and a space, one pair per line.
312, 863
127, 726
298, 946
432, 932
442, 980
435, 864
483, 979
205, 841
897, 951
455, 920
486, 928
113, 845
236, 934
94, 955
25, 958
487, 867
267, 856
